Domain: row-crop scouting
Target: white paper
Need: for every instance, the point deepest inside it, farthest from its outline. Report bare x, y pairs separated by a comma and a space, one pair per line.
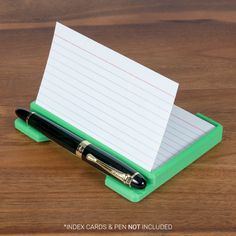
117, 101
182, 130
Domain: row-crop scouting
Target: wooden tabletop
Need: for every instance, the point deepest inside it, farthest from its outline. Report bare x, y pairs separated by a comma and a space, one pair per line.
43, 188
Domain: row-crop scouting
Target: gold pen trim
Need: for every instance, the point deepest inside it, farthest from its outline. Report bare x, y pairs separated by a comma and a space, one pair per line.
81, 147
123, 177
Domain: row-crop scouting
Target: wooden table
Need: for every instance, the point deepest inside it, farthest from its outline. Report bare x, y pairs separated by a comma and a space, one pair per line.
42, 187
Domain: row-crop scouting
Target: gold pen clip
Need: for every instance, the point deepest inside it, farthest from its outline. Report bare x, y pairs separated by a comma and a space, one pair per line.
123, 177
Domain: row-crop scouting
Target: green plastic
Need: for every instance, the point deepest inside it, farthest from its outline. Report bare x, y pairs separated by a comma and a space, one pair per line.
30, 131
154, 178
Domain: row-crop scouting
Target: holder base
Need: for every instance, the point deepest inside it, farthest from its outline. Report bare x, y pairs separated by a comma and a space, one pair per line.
154, 178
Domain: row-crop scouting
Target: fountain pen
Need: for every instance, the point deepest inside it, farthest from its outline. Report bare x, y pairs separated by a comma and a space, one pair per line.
83, 149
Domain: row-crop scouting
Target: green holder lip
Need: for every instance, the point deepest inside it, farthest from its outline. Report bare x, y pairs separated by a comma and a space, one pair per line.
154, 178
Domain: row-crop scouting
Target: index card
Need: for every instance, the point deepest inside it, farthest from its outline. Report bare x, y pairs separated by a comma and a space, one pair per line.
182, 130
117, 101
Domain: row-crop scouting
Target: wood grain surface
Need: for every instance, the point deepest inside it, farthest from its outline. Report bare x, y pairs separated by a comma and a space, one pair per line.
43, 187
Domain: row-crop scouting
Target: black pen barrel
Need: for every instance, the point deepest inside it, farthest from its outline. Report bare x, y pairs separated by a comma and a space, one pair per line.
55, 132
82, 148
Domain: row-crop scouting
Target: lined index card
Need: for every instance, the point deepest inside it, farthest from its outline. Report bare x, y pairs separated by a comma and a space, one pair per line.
112, 98
182, 130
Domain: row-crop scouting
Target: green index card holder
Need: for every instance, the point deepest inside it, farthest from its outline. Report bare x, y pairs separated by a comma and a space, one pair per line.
154, 178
